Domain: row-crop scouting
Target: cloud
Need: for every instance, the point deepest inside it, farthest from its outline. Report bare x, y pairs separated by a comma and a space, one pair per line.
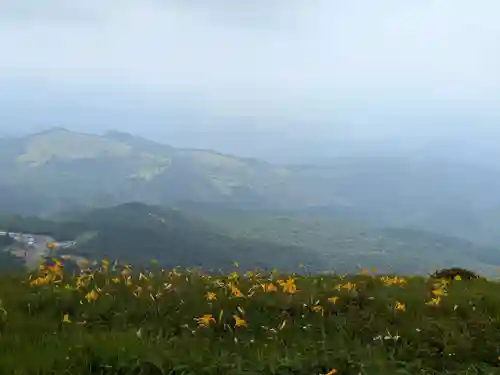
383, 67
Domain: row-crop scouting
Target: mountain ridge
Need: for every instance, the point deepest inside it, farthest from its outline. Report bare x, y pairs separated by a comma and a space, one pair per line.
51, 171
141, 170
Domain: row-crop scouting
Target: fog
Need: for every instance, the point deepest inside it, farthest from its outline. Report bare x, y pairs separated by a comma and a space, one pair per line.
279, 79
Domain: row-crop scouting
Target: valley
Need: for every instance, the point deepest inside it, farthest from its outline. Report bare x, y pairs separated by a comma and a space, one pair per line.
132, 198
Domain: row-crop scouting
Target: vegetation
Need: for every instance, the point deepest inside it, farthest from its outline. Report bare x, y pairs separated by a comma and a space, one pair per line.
347, 242
207, 237
136, 232
59, 169
112, 320
453, 273
5, 241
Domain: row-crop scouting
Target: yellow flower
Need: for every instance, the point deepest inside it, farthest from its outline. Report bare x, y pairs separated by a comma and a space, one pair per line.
211, 296
333, 299
400, 306
239, 322
434, 301
393, 280
56, 262
91, 296
349, 286
40, 281
236, 292
317, 308
401, 281
439, 292
268, 288
289, 286
331, 372
66, 318
205, 320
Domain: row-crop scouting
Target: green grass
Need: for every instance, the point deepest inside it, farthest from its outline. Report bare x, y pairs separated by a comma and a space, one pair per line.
149, 326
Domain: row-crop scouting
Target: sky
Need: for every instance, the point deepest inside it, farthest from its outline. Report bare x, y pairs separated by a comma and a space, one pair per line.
259, 77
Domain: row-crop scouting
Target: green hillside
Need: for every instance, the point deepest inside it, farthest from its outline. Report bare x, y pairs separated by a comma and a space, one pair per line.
216, 236
138, 233
113, 320
348, 242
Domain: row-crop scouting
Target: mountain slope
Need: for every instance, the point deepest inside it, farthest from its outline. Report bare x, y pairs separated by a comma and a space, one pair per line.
138, 233
348, 242
60, 170
115, 168
214, 237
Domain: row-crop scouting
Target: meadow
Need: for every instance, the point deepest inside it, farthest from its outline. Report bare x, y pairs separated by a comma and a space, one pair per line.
111, 319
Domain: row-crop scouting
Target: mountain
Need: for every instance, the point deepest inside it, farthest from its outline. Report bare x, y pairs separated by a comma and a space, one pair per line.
68, 168
214, 237
138, 233
425, 193
60, 170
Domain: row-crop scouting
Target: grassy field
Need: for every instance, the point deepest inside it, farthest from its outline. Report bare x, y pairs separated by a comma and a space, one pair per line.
112, 320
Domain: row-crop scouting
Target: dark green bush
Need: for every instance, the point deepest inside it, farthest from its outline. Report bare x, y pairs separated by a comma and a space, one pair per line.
451, 273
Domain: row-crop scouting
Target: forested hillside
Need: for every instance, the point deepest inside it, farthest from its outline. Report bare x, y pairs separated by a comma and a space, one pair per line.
348, 242
214, 237
139, 233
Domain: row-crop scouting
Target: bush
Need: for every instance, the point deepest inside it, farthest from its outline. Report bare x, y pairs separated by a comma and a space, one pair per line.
451, 273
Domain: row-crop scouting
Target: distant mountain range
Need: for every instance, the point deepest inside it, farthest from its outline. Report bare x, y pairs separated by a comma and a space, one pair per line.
58, 170
72, 169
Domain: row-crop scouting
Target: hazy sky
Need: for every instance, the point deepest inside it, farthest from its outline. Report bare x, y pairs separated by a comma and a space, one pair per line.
252, 73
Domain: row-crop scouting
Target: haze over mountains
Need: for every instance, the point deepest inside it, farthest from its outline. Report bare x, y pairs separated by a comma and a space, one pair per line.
341, 132
287, 81
407, 214
70, 169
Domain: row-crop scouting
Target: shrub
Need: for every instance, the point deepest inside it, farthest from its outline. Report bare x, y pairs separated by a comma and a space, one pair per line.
451, 273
